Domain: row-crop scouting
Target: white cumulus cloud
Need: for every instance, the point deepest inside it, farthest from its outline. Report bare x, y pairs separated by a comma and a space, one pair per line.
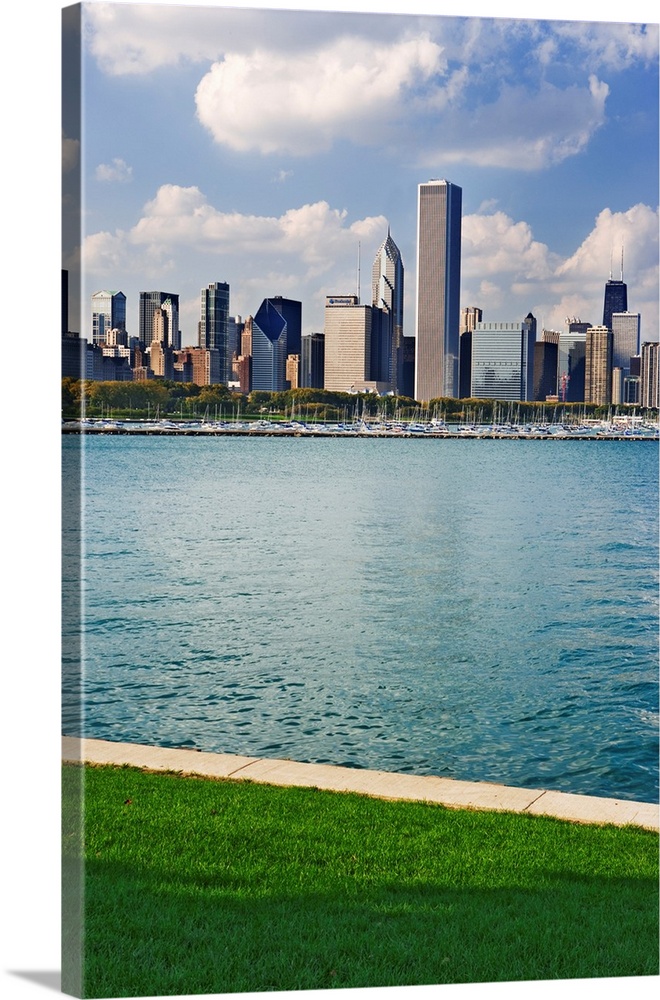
507, 273
352, 88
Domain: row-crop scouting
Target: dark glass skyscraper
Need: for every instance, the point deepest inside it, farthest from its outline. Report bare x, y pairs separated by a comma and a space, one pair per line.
269, 348
438, 289
291, 312
214, 313
312, 361
616, 300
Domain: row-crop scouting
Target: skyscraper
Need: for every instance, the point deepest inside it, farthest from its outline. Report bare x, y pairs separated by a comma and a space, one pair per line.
650, 374
438, 289
503, 360
347, 342
570, 361
312, 361
598, 365
149, 302
269, 348
214, 313
626, 328
616, 297
291, 312
470, 316
387, 323
546, 353
108, 313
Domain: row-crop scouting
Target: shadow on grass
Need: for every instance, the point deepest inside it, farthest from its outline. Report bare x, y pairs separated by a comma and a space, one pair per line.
146, 935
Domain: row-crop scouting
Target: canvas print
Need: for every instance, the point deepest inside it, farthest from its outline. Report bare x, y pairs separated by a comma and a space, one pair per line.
360, 382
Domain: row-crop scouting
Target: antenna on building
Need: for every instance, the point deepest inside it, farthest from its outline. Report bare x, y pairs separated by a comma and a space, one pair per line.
622, 262
358, 274
611, 252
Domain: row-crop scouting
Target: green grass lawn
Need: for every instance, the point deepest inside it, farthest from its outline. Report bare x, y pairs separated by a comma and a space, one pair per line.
202, 886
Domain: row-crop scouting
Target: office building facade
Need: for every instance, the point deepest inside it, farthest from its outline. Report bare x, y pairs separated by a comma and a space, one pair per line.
439, 210
650, 375
269, 348
108, 313
470, 316
213, 318
598, 365
571, 351
347, 343
312, 361
626, 338
503, 361
291, 312
615, 301
168, 302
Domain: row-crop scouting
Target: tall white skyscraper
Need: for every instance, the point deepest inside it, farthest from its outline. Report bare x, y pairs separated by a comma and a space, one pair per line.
439, 209
387, 324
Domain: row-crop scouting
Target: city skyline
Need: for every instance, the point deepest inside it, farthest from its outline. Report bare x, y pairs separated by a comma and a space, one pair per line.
550, 188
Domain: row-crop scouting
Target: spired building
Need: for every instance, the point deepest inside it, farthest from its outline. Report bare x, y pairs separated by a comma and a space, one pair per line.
387, 318
108, 313
616, 298
214, 316
439, 209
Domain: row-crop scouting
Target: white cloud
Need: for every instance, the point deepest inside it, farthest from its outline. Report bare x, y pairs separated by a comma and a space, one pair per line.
495, 244
472, 90
117, 171
610, 46
507, 273
307, 252
181, 218
351, 89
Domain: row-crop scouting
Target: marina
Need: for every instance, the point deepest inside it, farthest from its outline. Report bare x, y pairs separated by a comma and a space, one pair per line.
624, 429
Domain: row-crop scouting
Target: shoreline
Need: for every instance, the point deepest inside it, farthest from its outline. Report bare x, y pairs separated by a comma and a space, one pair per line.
328, 432
449, 792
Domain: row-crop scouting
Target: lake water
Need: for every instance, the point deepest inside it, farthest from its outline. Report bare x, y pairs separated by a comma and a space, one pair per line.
483, 610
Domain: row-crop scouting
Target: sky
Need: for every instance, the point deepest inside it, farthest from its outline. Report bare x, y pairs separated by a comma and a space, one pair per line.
272, 149
30, 170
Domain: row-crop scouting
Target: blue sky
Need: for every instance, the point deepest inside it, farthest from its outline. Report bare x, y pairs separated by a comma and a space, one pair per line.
268, 148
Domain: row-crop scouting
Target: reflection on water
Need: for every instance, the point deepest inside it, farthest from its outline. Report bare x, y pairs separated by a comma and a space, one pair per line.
476, 609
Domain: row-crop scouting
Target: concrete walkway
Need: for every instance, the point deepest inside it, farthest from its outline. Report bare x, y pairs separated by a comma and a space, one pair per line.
381, 784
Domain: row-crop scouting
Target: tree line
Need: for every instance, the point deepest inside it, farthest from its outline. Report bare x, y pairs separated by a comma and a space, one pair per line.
186, 401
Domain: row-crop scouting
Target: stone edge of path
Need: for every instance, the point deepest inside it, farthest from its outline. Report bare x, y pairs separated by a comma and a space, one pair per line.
380, 784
